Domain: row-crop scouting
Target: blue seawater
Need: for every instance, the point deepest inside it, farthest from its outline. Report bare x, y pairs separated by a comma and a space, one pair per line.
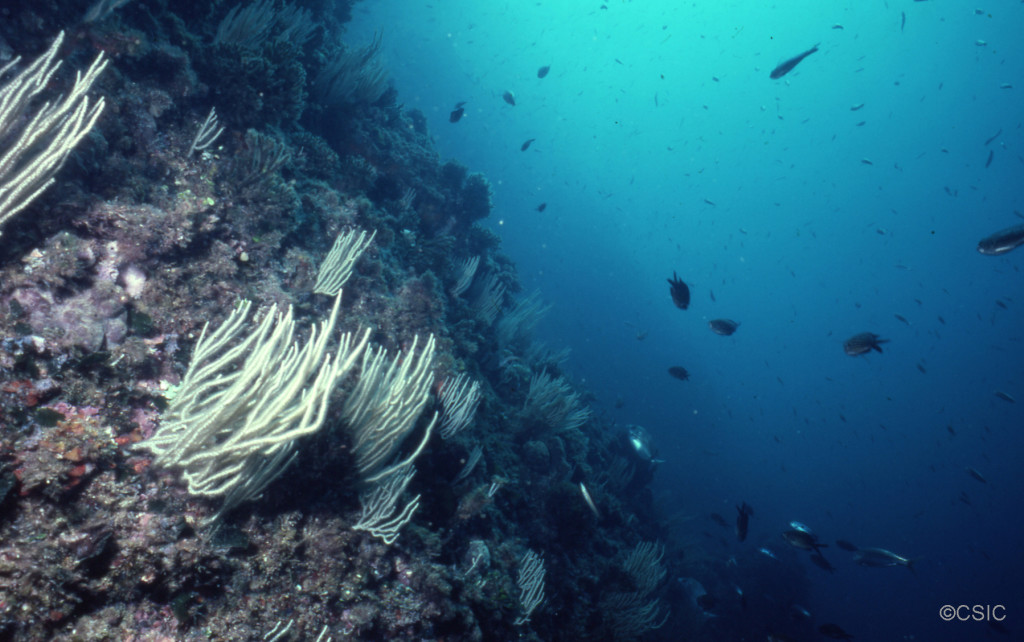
808, 208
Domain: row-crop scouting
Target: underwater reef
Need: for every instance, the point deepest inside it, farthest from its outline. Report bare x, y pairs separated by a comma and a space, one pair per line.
262, 375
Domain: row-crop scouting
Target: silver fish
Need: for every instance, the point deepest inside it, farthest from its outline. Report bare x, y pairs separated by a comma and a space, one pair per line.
880, 558
1002, 241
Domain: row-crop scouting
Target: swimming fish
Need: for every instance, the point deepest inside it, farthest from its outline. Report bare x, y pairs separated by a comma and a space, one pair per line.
724, 327
787, 66
509, 97
863, 343
743, 520
822, 563
526, 145
1005, 396
846, 546
457, 113
834, 631
803, 540
543, 71
879, 558
679, 372
976, 475
680, 292
1002, 241
542, 207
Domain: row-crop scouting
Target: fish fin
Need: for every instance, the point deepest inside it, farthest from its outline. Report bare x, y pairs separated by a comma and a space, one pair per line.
876, 347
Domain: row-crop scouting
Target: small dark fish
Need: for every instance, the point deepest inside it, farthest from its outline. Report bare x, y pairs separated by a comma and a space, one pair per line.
900, 317
941, 320
509, 97
787, 66
803, 540
921, 368
1002, 241
457, 113
718, 519
1001, 304
1005, 397
834, 631
866, 161
679, 372
543, 71
542, 207
846, 546
680, 292
975, 474
856, 107
743, 521
951, 430
525, 146
706, 602
988, 161
863, 343
822, 563
965, 499
995, 136
724, 327
903, 20
837, 26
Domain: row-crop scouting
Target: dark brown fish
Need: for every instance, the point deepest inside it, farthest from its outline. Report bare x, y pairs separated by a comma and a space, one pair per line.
543, 71
846, 546
1005, 396
787, 66
863, 343
457, 113
803, 540
988, 161
822, 563
743, 520
679, 372
542, 207
834, 631
527, 144
680, 292
1002, 241
509, 97
724, 327
976, 475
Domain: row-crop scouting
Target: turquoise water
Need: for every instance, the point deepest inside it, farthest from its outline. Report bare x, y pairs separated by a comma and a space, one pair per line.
661, 144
